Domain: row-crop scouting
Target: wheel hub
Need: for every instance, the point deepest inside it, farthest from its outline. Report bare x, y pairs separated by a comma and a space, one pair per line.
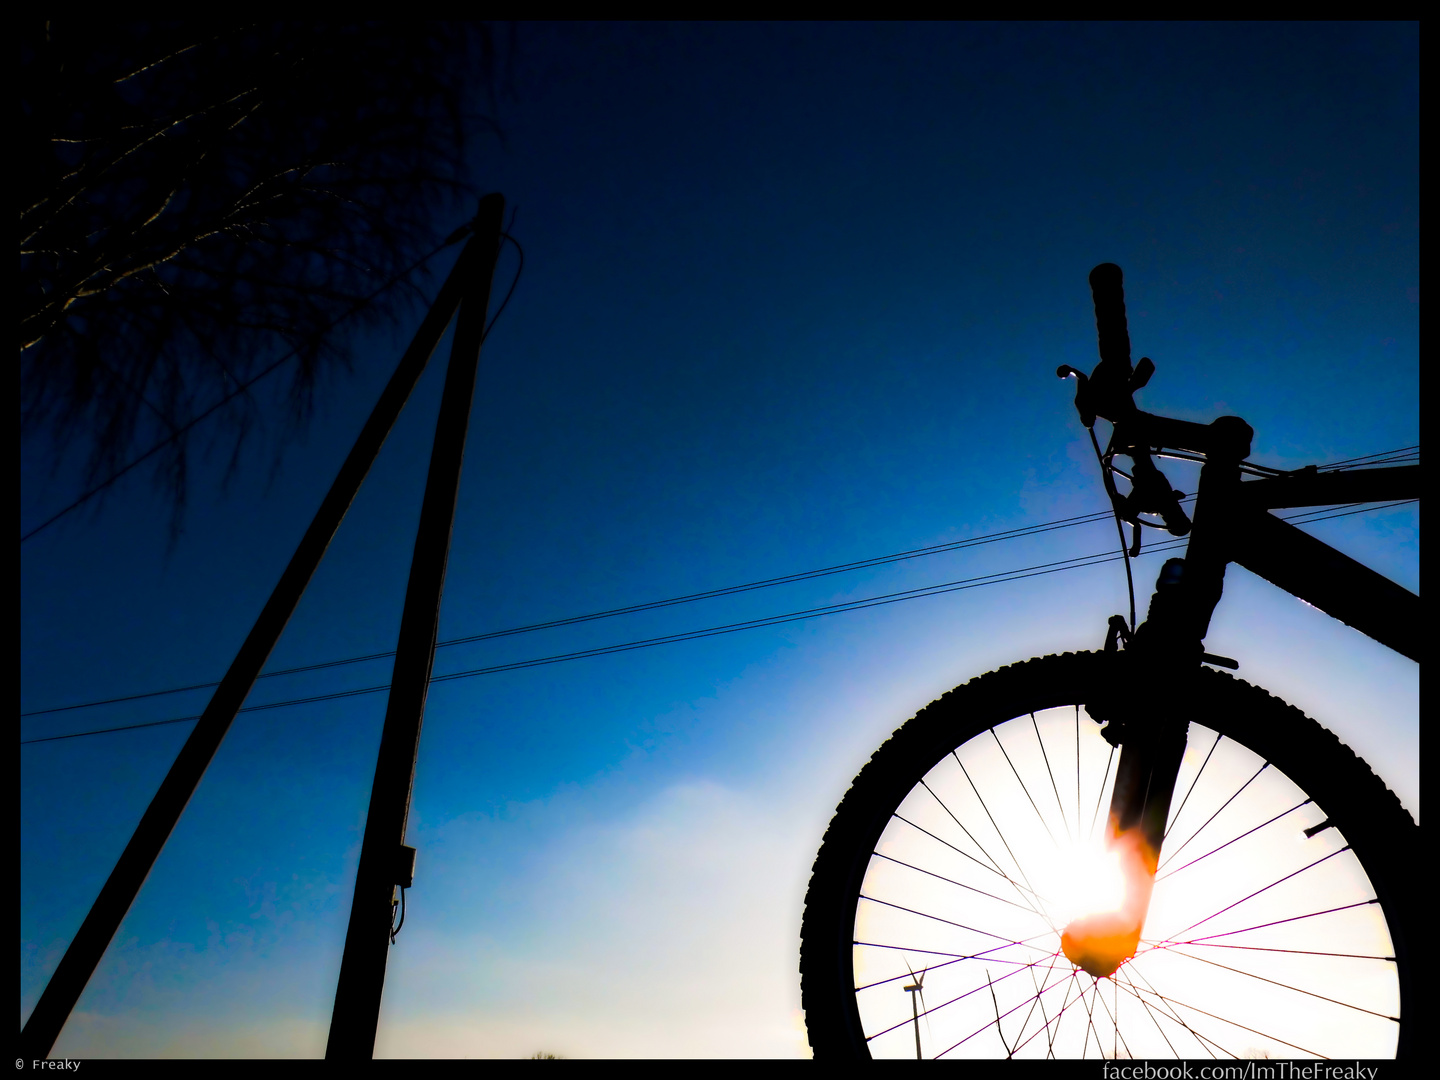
1099, 944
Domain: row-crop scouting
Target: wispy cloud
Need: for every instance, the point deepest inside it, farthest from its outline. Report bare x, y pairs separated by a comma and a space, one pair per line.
673, 932
670, 930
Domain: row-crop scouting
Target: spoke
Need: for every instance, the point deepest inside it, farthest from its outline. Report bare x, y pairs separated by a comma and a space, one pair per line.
1115, 1048
936, 967
1023, 788
1065, 1003
993, 861
961, 997
998, 831
1024, 1023
1235, 1023
1150, 1013
911, 948
977, 862
986, 1026
1175, 817
1090, 1019
1099, 795
955, 958
1298, 952
1021, 890
986, 955
1213, 816
1205, 1042
951, 881
1277, 922
1079, 987
1038, 999
951, 922
1077, 768
1257, 892
1035, 1002
1114, 1019
1053, 786
1227, 843
1238, 971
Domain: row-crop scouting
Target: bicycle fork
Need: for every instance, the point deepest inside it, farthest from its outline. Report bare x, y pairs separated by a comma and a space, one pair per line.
1152, 720
1100, 942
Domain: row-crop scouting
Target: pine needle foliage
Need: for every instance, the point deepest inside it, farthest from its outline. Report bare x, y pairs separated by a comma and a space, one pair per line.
199, 199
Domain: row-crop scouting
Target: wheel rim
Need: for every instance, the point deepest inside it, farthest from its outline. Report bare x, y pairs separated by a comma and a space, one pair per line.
1261, 940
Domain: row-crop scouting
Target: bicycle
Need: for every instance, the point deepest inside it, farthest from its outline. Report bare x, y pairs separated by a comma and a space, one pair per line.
1244, 895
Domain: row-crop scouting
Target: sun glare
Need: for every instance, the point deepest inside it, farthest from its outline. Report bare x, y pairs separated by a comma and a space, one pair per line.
1084, 879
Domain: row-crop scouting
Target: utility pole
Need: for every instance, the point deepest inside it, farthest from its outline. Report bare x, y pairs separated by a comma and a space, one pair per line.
83, 955
385, 861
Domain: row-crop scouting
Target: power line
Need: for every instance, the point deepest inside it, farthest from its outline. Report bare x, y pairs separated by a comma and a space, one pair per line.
1383, 457
687, 635
653, 605
1036, 570
1388, 457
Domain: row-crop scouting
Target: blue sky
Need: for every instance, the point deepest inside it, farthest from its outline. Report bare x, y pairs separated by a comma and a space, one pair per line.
793, 296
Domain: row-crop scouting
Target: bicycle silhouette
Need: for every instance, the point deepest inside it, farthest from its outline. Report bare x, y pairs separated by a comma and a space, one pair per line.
1248, 890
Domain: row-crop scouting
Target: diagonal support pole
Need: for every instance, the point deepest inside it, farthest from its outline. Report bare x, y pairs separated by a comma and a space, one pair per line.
38, 1036
384, 861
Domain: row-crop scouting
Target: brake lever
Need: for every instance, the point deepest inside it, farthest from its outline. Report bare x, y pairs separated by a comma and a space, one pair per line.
1082, 393
1151, 493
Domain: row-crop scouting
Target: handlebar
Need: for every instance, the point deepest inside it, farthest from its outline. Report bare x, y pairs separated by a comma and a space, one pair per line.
1108, 289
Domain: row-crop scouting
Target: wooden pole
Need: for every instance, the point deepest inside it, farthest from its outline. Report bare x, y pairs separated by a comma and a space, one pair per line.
385, 862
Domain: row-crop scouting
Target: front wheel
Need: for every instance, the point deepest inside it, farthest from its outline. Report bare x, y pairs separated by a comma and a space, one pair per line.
1280, 924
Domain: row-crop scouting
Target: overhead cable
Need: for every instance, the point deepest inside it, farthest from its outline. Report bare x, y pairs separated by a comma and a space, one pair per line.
1382, 457
1037, 570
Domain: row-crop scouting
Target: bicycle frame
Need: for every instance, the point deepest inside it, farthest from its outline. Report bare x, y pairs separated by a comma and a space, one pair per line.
1231, 524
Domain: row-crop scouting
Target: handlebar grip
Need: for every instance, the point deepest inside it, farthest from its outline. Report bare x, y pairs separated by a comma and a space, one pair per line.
1107, 287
